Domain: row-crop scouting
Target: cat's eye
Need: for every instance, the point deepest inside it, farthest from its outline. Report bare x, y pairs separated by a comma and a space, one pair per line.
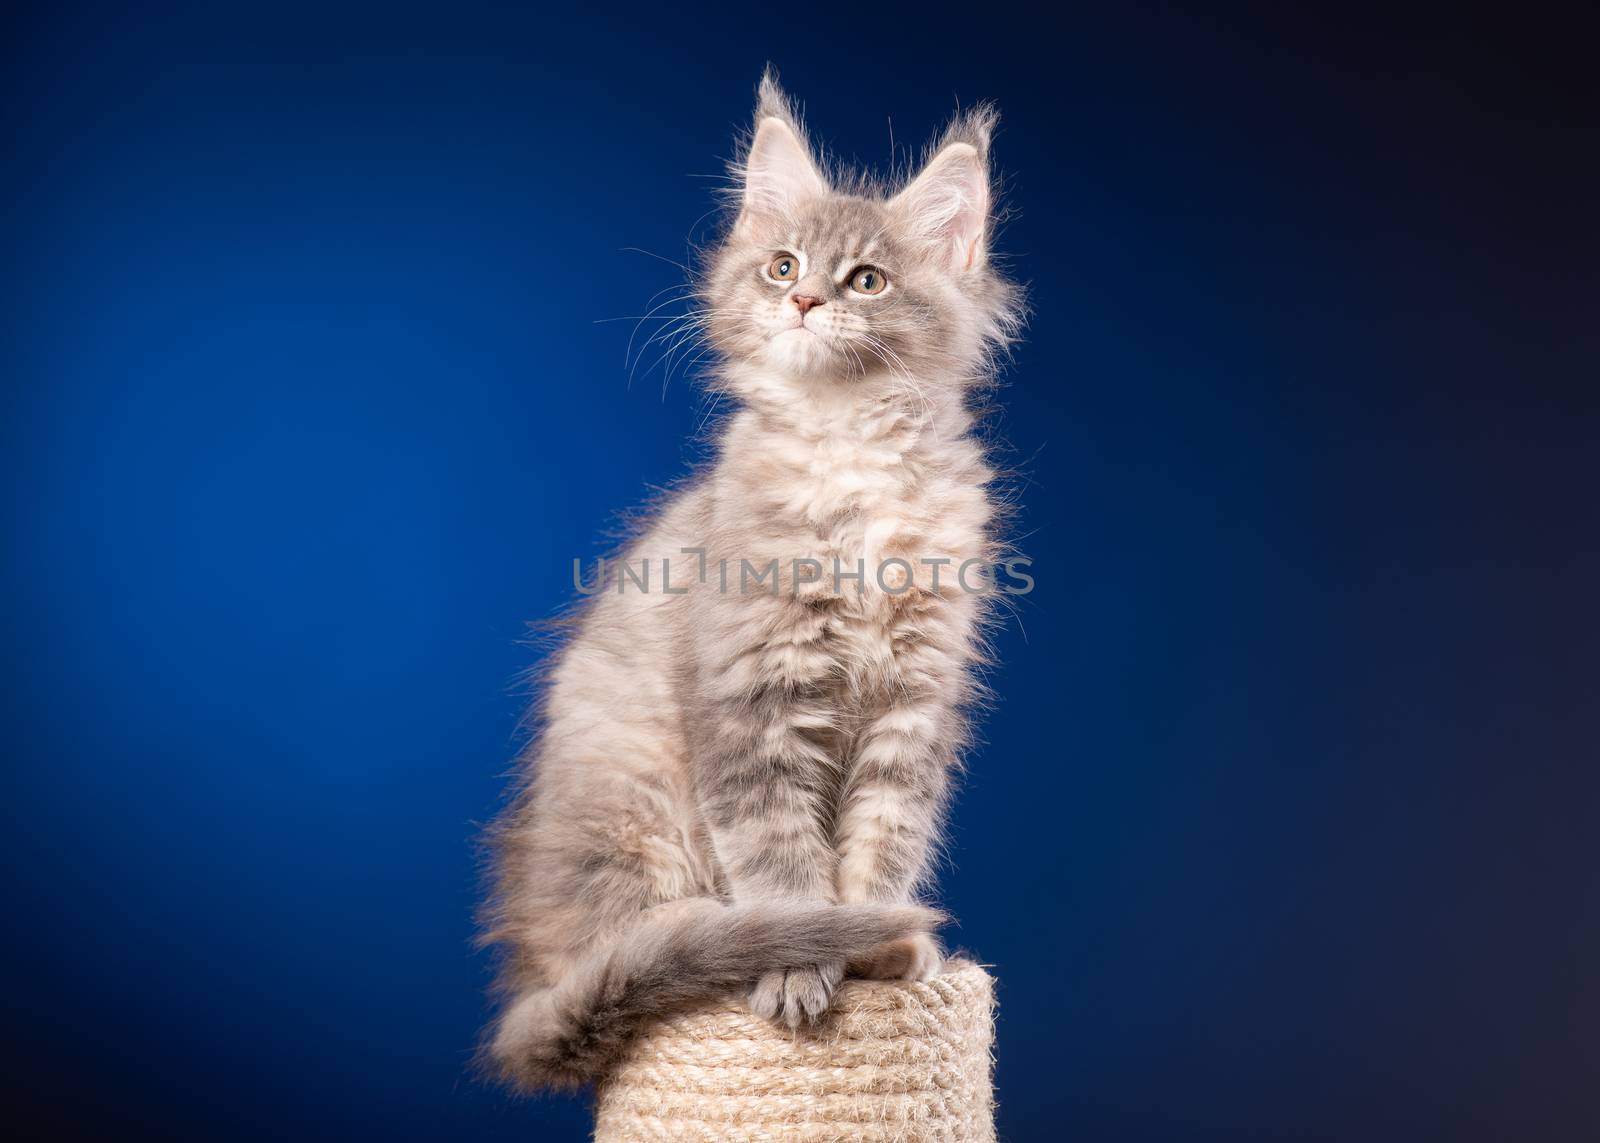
868, 280
784, 268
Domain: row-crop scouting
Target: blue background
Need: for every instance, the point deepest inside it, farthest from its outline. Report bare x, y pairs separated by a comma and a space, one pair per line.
1284, 825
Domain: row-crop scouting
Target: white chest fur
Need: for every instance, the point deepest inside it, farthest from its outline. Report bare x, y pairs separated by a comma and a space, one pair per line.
883, 498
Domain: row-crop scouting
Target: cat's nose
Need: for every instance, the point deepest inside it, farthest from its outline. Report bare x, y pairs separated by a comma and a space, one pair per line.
804, 302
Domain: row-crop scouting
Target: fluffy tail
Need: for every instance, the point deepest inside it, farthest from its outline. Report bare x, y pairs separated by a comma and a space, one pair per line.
568, 1034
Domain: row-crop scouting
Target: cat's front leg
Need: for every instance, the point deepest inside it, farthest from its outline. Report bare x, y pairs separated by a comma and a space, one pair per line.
767, 780
897, 784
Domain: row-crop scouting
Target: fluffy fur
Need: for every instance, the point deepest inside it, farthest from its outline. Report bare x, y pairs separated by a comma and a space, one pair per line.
741, 790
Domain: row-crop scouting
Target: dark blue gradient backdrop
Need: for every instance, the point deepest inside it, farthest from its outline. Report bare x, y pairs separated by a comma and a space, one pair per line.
1284, 824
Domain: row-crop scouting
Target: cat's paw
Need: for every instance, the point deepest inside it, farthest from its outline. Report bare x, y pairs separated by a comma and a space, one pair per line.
796, 995
916, 957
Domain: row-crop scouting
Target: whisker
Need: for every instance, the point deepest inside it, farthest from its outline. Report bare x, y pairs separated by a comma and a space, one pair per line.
658, 257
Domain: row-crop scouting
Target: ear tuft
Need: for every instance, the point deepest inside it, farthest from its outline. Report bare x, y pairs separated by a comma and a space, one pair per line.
772, 102
975, 127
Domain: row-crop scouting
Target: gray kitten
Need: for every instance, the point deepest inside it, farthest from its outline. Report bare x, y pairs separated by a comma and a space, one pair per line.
743, 761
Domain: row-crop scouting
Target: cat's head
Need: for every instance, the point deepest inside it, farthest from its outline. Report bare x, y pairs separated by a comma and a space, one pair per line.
827, 281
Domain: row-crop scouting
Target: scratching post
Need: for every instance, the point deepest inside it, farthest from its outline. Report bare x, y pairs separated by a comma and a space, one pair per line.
893, 1062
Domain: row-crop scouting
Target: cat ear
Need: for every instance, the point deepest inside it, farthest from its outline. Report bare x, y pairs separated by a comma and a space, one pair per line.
947, 204
778, 170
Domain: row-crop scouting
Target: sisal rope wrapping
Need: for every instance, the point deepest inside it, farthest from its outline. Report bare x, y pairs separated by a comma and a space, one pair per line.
892, 1062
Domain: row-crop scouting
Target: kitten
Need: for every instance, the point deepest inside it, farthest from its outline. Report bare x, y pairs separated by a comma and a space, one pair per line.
742, 766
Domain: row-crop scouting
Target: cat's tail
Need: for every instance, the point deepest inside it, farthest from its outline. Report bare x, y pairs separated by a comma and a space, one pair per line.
568, 1034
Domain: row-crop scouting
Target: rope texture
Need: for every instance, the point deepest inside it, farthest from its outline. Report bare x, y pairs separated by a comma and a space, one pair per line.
893, 1062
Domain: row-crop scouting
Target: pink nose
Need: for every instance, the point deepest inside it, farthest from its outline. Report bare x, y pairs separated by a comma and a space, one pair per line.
804, 302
